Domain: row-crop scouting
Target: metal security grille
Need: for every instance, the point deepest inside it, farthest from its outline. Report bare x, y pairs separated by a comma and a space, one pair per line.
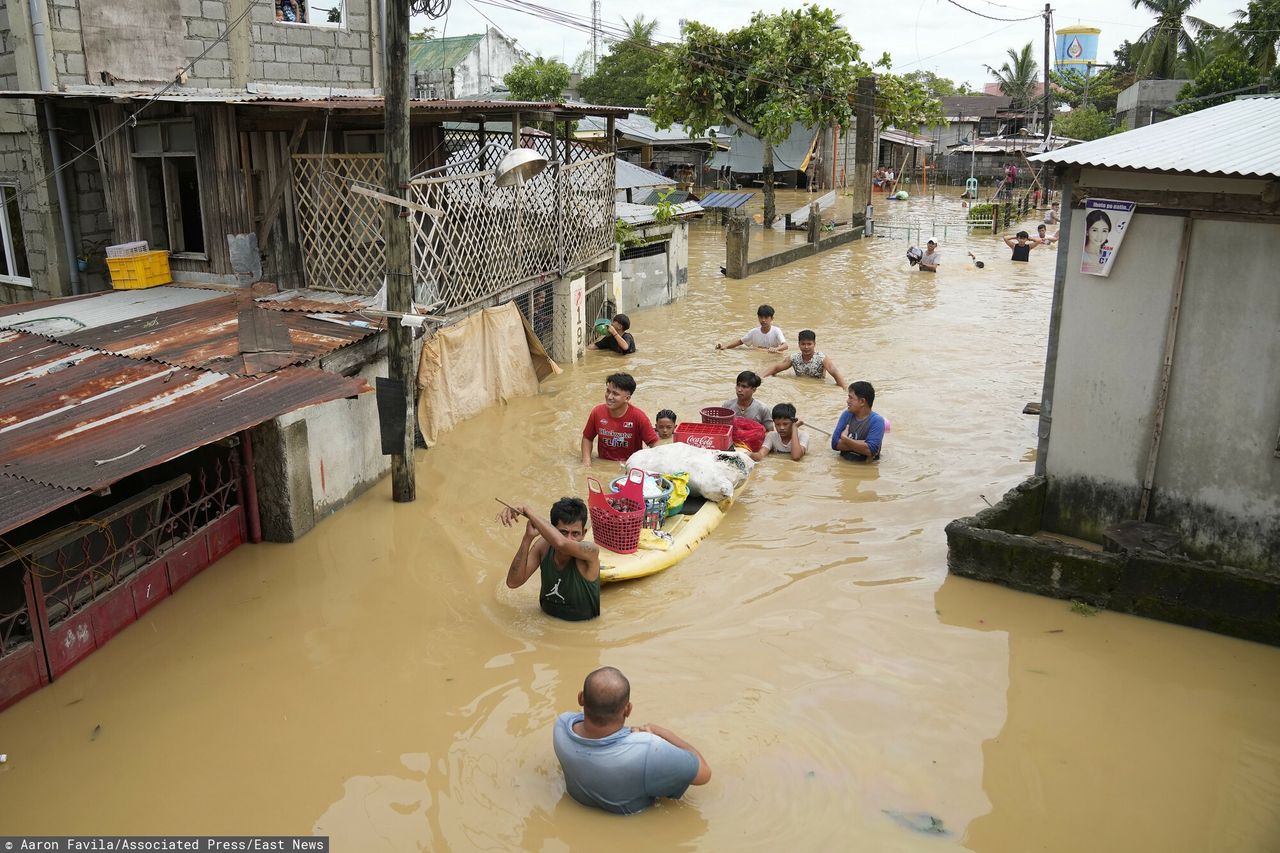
538, 307
485, 240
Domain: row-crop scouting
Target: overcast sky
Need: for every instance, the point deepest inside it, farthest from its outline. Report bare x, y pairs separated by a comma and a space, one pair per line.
930, 34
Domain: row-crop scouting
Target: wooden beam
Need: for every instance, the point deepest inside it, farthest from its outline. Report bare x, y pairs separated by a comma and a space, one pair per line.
276, 195
1248, 205
390, 199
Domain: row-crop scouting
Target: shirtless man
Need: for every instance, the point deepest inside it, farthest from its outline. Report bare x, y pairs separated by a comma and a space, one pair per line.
807, 362
570, 567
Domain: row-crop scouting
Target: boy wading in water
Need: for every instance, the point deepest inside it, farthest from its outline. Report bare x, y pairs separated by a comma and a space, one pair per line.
570, 567
618, 427
768, 336
745, 405
786, 436
807, 362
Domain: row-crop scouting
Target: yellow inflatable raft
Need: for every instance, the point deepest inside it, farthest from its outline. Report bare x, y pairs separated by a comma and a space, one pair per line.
686, 531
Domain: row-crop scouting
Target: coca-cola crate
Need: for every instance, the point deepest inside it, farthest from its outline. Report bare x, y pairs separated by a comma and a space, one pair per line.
711, 436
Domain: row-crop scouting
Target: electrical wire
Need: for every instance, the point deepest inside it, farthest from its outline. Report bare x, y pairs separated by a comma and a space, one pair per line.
993, 17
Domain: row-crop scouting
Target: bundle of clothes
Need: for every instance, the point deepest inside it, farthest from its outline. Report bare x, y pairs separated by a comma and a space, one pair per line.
713, 474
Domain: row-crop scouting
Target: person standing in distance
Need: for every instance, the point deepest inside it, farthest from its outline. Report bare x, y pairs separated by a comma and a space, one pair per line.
619, 768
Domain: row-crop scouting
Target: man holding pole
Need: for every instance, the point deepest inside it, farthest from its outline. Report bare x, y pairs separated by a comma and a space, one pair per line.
569, 566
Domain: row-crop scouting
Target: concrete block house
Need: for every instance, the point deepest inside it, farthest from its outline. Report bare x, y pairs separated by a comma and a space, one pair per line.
1159, 439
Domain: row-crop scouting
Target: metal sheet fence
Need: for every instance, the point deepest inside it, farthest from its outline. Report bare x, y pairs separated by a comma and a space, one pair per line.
487, 239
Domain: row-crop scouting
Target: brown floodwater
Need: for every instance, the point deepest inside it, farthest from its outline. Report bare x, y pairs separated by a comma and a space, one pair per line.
376, 682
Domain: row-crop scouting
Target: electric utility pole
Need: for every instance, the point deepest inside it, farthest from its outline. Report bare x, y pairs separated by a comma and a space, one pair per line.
1048, 96
399, 280
595, 35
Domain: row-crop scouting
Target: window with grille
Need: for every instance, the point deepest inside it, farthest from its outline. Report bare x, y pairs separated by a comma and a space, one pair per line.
170, 209
319, 13
13, 259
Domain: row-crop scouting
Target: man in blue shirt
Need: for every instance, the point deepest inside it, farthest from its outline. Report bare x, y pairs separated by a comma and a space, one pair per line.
860, 431
616, 767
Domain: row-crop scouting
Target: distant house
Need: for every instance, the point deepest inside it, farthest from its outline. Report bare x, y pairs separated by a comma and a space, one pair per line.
743, 160
970, 116
461, 66
639, 141
1160, 403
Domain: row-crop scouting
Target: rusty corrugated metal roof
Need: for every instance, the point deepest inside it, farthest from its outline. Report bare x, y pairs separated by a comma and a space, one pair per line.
203, 334
313, 301
336, 101
73, 420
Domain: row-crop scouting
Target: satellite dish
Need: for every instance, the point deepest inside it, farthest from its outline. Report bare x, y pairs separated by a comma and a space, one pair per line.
518, 166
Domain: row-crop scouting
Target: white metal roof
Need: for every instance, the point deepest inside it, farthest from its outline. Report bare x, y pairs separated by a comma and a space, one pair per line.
64, 316
629, 176
1238, 139
643, 214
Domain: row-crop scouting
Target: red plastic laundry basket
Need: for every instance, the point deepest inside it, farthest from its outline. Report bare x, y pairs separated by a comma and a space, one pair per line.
717, 415
617, 518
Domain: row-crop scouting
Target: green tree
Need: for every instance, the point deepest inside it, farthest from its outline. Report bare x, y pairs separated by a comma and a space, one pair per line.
540, 80
938, 87
797, 65
1125, 58
1259, 32
1225, 76
622, 75
1018, 77
1101, 88
1086, 123
1170, 39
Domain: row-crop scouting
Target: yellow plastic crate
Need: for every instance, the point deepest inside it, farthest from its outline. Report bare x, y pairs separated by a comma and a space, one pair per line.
145, 269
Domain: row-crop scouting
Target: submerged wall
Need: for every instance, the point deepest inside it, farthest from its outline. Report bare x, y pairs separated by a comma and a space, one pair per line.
996, 546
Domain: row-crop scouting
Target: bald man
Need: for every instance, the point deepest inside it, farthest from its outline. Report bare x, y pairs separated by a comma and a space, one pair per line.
616, 767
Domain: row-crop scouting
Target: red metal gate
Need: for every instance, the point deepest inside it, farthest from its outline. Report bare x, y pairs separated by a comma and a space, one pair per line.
88, 580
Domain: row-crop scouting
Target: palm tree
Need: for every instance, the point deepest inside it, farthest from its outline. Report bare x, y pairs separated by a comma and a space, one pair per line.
1018, 80
1259, 31
1172, 34
640, 29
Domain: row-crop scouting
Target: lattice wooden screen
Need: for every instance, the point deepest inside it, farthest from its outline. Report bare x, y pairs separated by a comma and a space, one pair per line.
488, 239
342, 244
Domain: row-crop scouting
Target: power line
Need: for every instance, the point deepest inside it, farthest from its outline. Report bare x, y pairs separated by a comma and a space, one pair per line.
993, 17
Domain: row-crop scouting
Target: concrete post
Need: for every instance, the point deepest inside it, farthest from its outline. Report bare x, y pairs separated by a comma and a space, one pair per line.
282, 466
864, 147
814, 225
737, 246
569, 319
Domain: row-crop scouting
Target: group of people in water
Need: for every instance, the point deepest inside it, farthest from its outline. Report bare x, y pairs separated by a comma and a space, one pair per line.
606, 763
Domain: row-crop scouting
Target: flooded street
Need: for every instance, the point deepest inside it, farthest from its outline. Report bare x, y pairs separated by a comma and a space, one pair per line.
376, 682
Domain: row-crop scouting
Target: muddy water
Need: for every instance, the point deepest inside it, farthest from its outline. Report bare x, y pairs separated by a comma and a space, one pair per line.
377, 683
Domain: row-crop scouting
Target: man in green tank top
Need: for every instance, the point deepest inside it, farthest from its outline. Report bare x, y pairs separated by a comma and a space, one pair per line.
570, 567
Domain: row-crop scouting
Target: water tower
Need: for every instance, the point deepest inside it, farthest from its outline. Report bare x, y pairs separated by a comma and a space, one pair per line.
1076, 49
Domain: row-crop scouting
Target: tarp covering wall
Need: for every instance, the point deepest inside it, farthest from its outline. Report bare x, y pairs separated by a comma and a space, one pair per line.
487, 358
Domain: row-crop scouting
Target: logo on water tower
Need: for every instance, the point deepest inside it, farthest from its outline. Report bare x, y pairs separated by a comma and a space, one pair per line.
1075, 50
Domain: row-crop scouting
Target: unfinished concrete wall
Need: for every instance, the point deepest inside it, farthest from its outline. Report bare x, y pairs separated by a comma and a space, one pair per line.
311, 462
659, 273
8, 45
177, 32
316, 54
483, 69
1218, 479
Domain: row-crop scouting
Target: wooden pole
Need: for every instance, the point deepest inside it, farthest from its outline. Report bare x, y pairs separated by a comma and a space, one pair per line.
399, 254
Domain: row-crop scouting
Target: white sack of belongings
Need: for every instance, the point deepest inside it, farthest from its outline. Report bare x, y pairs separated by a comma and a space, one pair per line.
713, 474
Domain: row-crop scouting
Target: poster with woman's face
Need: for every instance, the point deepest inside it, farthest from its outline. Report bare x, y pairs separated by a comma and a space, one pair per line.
1105, 221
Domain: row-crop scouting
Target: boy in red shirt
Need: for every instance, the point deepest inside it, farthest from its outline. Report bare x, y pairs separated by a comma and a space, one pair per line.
619, 426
